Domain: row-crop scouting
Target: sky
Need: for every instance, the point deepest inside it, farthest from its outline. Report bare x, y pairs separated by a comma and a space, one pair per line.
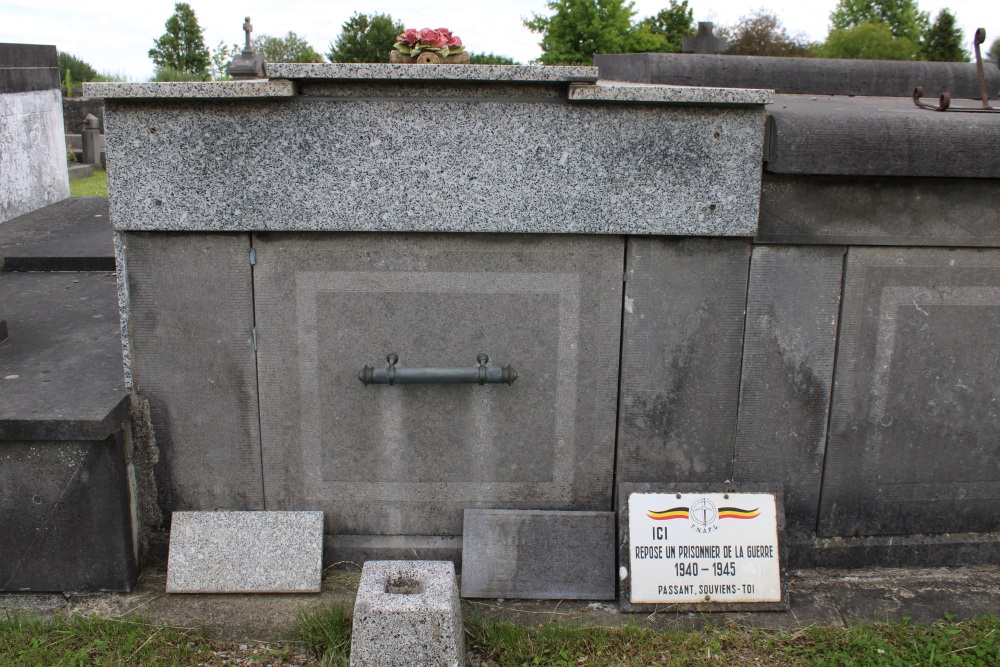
114, 36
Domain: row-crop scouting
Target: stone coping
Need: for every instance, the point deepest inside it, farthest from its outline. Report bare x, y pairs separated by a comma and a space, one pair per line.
652, 93
192, 89
397, 72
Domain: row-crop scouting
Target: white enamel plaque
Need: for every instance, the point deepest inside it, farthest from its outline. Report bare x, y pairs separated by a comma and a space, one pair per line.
687, 548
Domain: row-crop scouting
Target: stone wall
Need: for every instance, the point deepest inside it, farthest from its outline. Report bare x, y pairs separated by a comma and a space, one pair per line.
32, 142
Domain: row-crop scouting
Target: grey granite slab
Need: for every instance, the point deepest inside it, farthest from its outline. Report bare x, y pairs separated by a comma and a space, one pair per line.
408, 614
645, 93
275, 87
393, 71
531, 166
538, 555
245, 552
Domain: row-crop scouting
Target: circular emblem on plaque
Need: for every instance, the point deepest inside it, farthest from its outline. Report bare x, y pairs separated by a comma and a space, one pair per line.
703, 512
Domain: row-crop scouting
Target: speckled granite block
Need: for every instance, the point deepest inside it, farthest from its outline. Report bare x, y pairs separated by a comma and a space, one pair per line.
646, 93
191, 89
245, 552
390, 71
455, 165
408, 614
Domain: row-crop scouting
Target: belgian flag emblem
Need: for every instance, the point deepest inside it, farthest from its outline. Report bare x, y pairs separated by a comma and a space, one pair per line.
672, 513
738, 513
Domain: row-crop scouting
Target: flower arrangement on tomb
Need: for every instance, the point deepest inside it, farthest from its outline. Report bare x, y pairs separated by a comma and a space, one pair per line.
428, 46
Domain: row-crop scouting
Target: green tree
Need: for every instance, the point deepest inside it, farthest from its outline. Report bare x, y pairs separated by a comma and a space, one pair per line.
78, 70
580, 28
903, 17
762, 34
943, 40
222, 55
288, 49
868, 41
365, 39
672, 23
490, 59
182, 47
993, 55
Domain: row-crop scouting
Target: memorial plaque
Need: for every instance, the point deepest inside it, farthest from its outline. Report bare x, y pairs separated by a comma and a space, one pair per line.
714, 548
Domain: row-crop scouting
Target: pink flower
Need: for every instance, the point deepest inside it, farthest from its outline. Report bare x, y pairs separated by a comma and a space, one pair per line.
433, 38
409, 37
453, 40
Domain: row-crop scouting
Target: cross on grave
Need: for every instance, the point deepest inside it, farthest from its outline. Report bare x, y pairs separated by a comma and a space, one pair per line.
247, 28
704, 41
248, 64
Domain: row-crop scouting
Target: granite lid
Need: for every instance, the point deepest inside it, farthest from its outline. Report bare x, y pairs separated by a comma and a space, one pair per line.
412, 72
653, 93
273, 87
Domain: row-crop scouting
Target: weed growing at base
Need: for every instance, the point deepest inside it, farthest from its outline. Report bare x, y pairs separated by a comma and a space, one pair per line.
327, 634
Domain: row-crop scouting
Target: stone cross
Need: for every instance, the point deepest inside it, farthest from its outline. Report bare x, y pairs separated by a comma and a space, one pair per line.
247, 28
704, 41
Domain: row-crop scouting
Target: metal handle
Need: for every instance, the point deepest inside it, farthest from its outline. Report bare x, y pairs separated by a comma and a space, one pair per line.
481, 374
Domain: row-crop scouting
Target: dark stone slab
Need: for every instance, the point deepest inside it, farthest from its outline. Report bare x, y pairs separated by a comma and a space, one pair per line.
538, 555
409, 459
878, 136
953, 550
681, 355
793, 305
879, 211
913, 445
191, 323
61, 366
65, 516
28, 55
28, 67
800, 76
71, 235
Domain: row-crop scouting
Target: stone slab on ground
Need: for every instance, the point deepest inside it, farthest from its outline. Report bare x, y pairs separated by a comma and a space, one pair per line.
408, 614
245, 552
61, 366
538, 554
71, 235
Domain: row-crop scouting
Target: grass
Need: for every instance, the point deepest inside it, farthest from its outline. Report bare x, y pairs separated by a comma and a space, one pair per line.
966, 644
95, 185
326, 634
72, 642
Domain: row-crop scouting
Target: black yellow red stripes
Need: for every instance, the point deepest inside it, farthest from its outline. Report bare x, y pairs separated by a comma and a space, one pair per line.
738, 513
672, 513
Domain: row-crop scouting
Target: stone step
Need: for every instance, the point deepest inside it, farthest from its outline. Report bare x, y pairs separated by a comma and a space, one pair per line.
78, 171
71, 235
